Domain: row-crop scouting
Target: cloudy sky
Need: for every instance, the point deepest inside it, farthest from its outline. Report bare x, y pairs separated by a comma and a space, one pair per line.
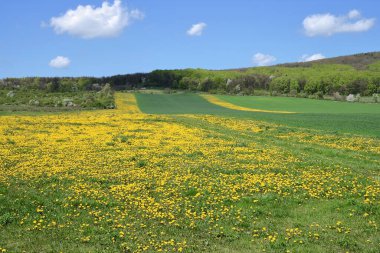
98, 37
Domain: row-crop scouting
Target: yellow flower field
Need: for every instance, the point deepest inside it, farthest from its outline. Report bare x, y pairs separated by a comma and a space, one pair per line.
124, 181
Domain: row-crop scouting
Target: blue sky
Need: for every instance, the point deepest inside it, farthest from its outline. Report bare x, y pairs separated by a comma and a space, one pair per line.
151, 34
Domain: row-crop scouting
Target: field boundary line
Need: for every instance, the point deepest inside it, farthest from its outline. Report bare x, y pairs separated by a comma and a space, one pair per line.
214, 100
127, 102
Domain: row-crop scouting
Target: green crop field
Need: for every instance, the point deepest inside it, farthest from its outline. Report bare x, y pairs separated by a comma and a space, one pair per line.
187, 103
344, 117
177, 173
301, 105
332, 116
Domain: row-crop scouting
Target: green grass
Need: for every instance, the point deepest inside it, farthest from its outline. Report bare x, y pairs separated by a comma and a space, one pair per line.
333, 117
187, 103
359, 124
300, 105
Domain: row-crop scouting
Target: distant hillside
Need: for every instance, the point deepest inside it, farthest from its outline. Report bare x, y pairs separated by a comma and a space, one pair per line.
358, 61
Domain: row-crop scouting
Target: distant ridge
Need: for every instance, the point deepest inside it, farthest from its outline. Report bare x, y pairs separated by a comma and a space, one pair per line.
358, 61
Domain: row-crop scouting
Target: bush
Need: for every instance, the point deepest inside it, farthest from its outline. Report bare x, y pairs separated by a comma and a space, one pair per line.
375, 97
319, 94
221, 91
350, 98
312, 86
293, 93
294, 85
302, 95
274, 93
168, 91
280, 84
261, 92
337, 96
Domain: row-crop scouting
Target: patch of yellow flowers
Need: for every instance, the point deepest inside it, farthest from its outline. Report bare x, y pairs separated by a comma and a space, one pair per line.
154, 173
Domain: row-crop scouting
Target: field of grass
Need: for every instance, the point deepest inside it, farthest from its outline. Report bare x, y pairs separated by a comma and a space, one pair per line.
301, 105
336, 117
185, 103
358, 119
177, 173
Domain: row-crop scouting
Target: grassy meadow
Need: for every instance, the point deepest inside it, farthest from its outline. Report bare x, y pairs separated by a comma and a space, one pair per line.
300, 105
329, 116
192, 173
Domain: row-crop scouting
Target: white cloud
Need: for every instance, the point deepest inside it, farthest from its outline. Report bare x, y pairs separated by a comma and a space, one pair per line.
354, 14
197, 29
60, 62
91, 22
313, 57
328, 24
260, 59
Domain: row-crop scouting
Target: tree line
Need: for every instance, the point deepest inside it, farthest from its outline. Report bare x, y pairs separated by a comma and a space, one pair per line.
315, 79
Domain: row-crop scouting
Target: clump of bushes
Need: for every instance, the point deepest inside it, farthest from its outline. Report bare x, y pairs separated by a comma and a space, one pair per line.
353, 98
337, 96
376, 98
104, 98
